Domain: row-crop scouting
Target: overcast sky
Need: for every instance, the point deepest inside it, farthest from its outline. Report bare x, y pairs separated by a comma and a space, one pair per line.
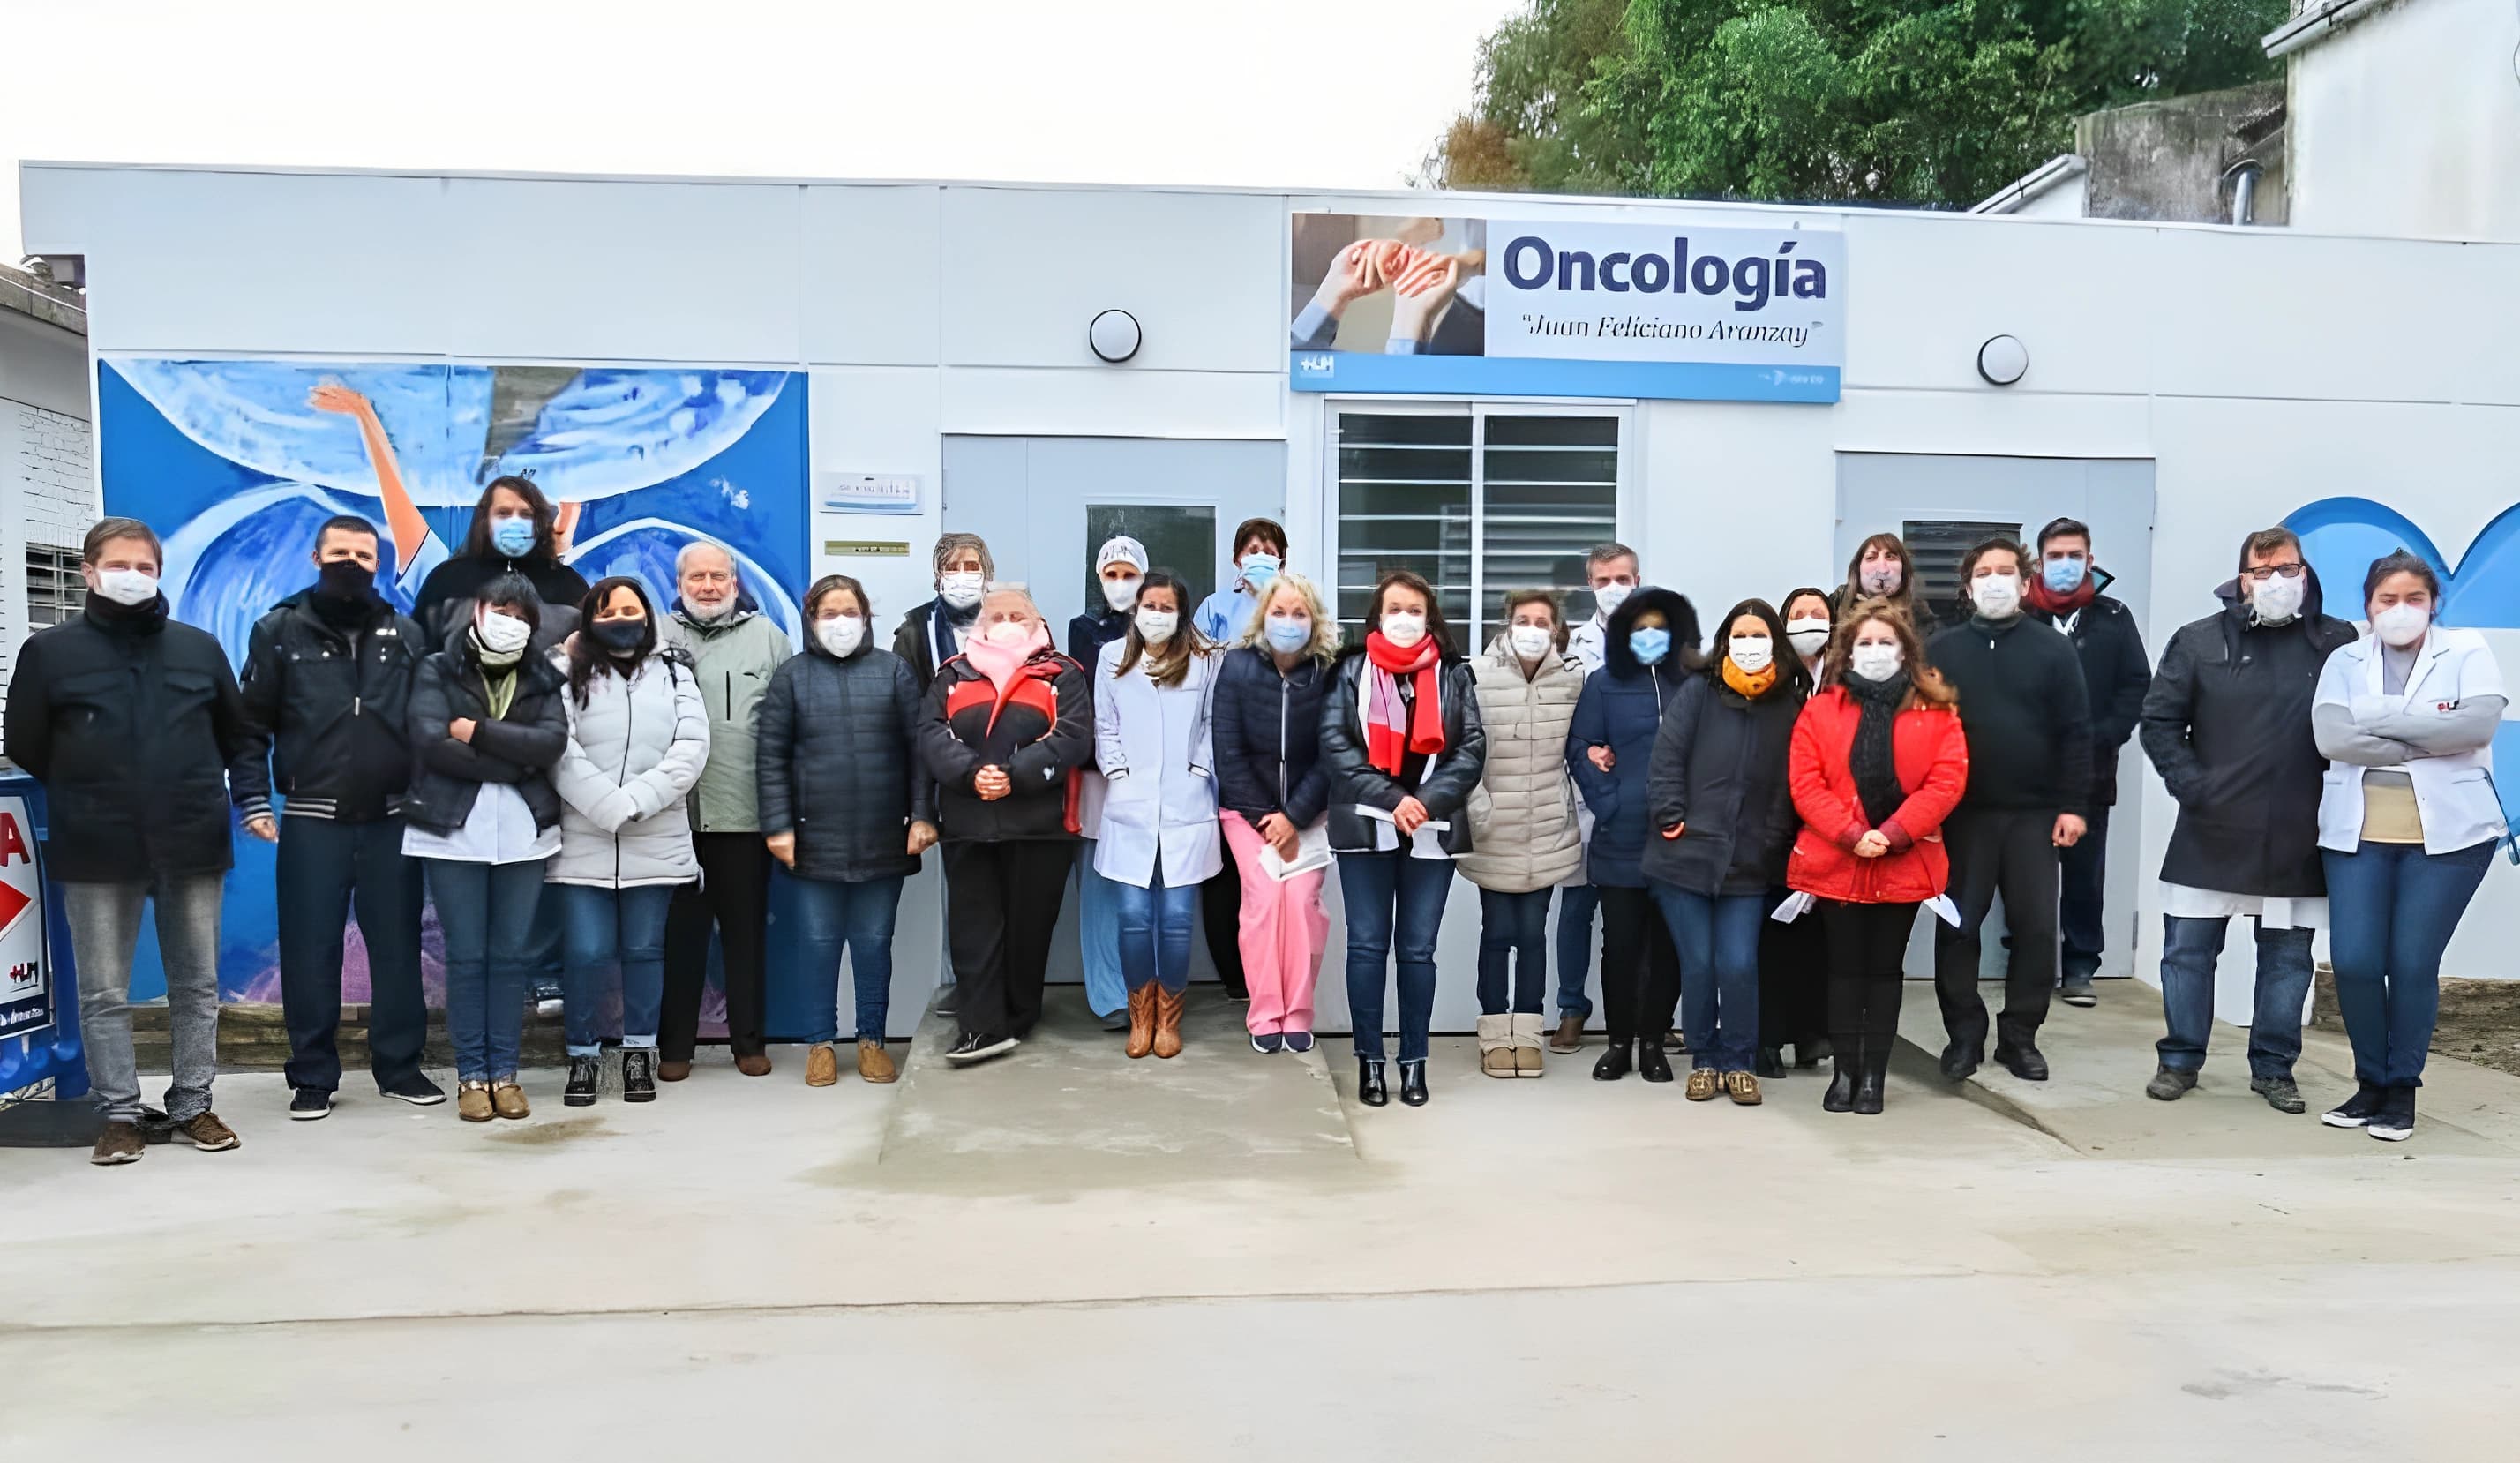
1328, 93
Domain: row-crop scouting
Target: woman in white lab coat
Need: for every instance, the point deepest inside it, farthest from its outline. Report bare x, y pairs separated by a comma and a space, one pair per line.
2407, 823
1160, 838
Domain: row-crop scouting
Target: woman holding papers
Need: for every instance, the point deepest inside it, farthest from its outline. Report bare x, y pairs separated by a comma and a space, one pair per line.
1522, 822
1878, 762
1401, 736
1159, 836
1275, 791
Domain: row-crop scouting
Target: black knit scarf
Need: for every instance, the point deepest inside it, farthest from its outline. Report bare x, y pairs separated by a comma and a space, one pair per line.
1875, 766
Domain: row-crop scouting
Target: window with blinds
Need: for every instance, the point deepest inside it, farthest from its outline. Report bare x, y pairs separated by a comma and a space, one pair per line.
1479, 501
55, 591
1937, 545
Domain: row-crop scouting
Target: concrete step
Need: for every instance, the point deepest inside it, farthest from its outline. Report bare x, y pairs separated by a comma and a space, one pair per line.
1067, 1110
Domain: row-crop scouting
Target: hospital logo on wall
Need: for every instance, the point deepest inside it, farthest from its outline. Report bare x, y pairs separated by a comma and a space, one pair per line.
25, 995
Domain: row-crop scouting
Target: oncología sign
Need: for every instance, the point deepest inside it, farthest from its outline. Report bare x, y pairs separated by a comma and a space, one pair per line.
1559, 308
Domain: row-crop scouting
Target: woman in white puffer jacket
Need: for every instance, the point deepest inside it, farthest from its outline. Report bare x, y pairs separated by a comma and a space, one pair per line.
638, 737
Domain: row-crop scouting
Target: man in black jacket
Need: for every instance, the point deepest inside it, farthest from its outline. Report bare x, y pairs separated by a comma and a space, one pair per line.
2029, 727
2068, 594
133, 724
327, 685
2227, 723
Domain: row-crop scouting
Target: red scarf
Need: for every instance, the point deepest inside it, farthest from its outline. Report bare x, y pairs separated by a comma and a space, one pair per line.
2040, 596
1385, 663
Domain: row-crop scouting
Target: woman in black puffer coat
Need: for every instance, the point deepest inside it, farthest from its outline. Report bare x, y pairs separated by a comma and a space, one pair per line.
844, 806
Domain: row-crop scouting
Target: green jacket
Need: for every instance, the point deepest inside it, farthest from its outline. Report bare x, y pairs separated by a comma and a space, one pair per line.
733, 659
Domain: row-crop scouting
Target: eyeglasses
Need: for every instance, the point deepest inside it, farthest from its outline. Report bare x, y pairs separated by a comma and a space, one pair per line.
2265, 571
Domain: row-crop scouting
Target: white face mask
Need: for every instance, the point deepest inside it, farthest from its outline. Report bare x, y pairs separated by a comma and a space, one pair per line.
1997, 596
960, 589
1875, 662
1404, 630
2401, 625
1810, 636
1155, 627
2278, 599
841, 634
126, 586
1121, 593
1609, 597
1016, 632
1529, 641
503, 634
1752, 653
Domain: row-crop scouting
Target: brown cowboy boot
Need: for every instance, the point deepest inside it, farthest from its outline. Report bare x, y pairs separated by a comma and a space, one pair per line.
1168, 1015
1141, 1020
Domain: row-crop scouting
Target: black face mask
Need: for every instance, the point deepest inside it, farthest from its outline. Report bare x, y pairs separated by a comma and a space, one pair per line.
345, 579
619, 636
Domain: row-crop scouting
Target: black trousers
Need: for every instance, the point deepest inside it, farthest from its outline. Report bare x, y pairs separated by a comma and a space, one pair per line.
1005, 898
2013, 850
1793, 979
733, 898
1220, 909
327, 870
1639, 968
1868, 957
2080, 927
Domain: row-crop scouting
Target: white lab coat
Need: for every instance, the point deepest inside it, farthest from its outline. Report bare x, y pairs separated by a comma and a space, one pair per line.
2453, 793
1153, 745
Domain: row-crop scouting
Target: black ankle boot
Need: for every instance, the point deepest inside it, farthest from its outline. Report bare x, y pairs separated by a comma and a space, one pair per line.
1369, 1083
1615, 1063
1868, 1087
639, 1075
1841, 1087
1770, 1064
583, 1072
1412, 1083
1651, 1064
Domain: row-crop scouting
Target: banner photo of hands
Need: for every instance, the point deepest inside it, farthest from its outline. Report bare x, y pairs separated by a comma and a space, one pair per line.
1505, 308
235, 463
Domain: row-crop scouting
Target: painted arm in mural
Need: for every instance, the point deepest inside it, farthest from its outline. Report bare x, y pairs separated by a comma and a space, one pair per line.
402, 515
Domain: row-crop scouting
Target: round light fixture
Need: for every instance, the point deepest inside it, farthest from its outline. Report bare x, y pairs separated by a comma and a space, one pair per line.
2003, 360
1114, 336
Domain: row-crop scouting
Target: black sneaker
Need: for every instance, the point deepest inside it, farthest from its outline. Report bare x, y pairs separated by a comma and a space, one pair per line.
583, 1075
2079, 992
639, 1074
417, 1090
1298, 1042
2359, 1110
977, 1046
2280, 1093
309, 1104
2168, 1084
1268, 1043
2394, 1122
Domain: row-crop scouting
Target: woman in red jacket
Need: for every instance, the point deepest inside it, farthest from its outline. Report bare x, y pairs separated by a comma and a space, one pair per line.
1878, 762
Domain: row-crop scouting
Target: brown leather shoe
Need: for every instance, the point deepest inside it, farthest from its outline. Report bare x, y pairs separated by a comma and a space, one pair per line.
821, 1065
1168, 1015
1742, 1087
755, 1064
207, 1133
874, 1064
674, 1072
1569, 1036
1141, 1020
119, 1143
473, 1102
507, 1100
1703, 1084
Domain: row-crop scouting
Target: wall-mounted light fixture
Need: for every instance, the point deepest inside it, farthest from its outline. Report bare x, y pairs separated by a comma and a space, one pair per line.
1114, 336
2003, 360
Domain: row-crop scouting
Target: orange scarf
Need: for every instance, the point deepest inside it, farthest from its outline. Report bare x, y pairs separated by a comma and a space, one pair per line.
1751, 687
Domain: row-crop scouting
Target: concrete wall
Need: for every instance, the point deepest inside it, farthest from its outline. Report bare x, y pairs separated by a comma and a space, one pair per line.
2163, 161
2262, 369
2408, 122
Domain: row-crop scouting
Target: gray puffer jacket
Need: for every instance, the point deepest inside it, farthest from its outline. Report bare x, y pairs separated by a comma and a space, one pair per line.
1523, 833
635, 751
733, 659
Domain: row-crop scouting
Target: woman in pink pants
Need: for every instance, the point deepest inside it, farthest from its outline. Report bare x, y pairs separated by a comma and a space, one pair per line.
1274, 793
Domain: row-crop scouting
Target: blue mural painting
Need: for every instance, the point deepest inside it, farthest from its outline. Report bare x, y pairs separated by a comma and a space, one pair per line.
2341, 536
237, 461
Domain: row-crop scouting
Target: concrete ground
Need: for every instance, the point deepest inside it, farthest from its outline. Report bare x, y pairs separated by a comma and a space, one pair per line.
1522, 1268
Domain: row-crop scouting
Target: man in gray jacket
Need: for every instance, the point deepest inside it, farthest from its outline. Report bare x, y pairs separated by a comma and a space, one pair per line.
734, 648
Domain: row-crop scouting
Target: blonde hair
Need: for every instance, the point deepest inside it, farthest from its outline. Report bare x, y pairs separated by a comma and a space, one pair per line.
1325, 643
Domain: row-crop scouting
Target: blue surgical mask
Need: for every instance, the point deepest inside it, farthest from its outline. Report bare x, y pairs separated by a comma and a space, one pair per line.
1286, 635
1258, 570
512, 536
2063, 576
1650, 644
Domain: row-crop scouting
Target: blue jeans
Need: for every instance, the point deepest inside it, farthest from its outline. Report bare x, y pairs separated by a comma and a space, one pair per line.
486, 913
1392, 899
1155, 923
598, 925
1576, 905
2189, 951
1098, 930
832, 916
1516, 924
2393, 907
1717, 936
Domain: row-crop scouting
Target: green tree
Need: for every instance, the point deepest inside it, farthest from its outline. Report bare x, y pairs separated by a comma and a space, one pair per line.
1908, 100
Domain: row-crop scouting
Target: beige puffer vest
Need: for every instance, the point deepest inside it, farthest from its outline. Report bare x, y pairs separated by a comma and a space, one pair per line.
1523, 834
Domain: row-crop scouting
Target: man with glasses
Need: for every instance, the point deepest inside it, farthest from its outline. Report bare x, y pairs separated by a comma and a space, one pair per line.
2227, 723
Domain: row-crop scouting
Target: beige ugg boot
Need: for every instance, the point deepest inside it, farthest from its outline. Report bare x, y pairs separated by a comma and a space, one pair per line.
1496, 1045
1526, 1044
